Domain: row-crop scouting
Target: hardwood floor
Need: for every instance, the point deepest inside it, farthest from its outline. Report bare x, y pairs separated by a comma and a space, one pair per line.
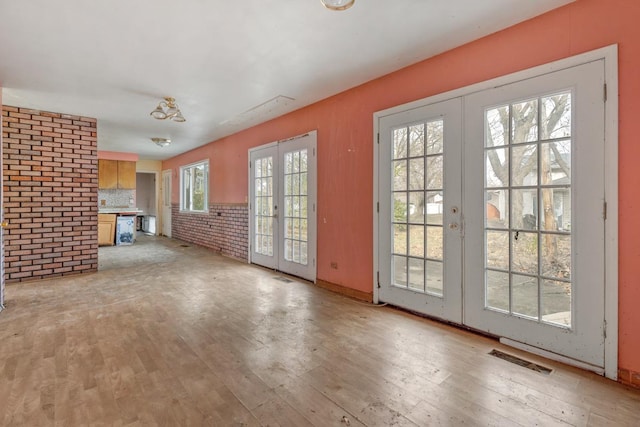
173, 335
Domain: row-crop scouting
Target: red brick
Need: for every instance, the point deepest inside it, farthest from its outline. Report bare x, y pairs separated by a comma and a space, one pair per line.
50, 163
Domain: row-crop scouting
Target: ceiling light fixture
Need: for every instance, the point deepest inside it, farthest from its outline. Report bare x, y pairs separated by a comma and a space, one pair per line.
161, 142
168, 109
338, 4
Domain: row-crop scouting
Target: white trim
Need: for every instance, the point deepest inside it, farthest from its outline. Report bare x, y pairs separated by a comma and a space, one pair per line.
550, 355
610, 56
583, 58
376, 200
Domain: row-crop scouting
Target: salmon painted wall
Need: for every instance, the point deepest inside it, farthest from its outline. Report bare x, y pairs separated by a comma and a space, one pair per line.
116, 155
345, 134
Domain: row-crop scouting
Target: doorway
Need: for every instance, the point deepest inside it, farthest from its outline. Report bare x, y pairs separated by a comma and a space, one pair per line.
491, 207
282, 207
146, 200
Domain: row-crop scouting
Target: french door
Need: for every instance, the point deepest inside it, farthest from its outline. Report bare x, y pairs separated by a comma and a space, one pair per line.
501, 230
420, 162
534, 198
282, 208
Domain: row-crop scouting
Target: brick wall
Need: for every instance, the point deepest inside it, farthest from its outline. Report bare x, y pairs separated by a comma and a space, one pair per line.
50, 168
224, 228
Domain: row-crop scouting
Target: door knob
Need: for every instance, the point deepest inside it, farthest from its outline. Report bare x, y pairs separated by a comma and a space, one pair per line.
4, 223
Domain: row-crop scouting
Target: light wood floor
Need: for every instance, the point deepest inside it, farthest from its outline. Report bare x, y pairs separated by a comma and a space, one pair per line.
181, 336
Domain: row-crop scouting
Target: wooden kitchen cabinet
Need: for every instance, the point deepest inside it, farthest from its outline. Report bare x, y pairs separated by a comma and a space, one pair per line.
114, 174
107, 174
106, 229
126, 175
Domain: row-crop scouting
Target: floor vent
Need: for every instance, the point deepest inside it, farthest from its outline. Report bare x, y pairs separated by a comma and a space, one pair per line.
521, 362
283, 279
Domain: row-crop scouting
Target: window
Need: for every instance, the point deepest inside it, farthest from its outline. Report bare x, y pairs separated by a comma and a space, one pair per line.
194, 187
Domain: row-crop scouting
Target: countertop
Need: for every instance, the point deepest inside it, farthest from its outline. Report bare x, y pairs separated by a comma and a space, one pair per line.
130, 211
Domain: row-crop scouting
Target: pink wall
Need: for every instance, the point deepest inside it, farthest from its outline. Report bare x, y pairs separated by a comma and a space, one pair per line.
345, 149
116, 155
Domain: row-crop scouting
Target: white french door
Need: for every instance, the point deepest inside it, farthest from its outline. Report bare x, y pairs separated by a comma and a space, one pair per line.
534, 198
501, 229
420, 233
282, 208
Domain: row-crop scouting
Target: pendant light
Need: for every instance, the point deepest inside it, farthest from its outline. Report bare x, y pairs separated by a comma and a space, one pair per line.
168, 109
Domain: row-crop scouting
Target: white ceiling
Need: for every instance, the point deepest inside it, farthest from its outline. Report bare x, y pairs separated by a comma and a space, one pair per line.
114, 60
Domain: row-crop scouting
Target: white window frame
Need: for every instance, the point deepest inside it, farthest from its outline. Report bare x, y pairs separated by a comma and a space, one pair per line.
183, 169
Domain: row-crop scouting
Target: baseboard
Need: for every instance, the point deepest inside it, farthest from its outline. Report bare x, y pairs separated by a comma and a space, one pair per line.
343, 290
629, 377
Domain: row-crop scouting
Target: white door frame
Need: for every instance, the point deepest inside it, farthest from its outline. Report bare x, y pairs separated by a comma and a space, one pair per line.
610, 56
166, 219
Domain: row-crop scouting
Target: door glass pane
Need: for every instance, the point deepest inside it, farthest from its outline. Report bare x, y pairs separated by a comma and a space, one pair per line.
416, 241
435, 172
497, 126
435, 246
555, 113
524, 121
399, 271
263, 204
435, 137
497, 290
417, 238
497, 209
497, 164
497, 253
295, 209
528, 208
416, 274
525, 295
434, 208
556, 302
416, 140
416, 207
435, 278
524, 165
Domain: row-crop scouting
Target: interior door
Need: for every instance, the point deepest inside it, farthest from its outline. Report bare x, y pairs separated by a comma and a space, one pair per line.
420, 209
166, 203
534, 199
282, 211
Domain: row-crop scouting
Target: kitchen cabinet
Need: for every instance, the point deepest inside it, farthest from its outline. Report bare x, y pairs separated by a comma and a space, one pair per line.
116, 174
106, 229
107, 174
126, 175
